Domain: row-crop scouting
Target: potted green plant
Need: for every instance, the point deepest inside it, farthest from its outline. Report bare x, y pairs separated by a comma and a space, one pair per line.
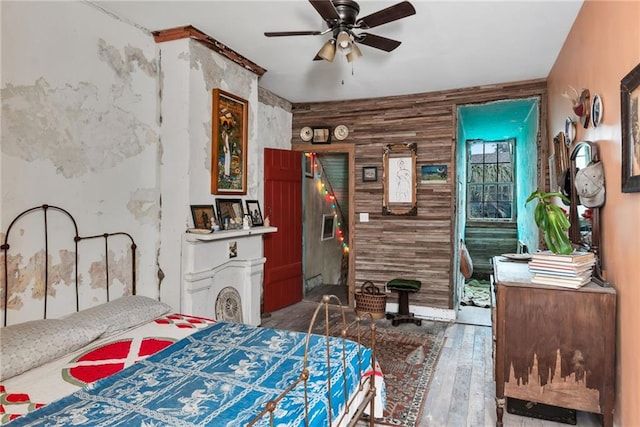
552, 221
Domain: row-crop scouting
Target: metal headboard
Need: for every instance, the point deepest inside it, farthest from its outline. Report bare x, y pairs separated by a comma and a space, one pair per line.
77, 238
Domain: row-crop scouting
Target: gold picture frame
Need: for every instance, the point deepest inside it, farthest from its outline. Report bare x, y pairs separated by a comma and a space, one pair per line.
399, 177
229, 144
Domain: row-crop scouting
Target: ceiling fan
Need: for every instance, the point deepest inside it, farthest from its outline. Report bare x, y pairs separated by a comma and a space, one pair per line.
341, 17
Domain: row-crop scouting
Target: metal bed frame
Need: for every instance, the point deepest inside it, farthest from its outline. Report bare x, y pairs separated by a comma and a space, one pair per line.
76, 238
369, 396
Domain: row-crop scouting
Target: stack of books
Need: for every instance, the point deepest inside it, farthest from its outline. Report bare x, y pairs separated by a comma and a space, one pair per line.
569, 271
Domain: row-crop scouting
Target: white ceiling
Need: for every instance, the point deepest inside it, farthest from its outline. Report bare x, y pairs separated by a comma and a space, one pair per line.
446, 45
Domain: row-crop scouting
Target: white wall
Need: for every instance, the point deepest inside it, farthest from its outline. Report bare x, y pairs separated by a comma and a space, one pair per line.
94, 123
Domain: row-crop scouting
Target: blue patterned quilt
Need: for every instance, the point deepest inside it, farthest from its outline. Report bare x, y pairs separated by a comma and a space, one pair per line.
220, 376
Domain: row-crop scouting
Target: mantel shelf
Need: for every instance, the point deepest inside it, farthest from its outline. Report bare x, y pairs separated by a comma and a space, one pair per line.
229, 234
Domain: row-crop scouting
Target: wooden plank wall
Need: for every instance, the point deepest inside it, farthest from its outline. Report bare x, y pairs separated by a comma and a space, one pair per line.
419, 247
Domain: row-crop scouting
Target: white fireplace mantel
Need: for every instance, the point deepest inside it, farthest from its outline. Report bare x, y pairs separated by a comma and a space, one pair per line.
214, 261
230, 234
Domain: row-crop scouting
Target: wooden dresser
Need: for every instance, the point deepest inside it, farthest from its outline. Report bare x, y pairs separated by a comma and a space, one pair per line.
553, 345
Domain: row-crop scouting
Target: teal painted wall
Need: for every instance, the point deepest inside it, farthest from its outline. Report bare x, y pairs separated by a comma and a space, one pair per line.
497, 121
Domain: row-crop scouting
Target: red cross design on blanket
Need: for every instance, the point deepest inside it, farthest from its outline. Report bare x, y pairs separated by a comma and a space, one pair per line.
11, 399
105, 359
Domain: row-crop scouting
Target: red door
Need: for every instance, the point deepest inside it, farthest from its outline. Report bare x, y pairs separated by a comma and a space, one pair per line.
283, 249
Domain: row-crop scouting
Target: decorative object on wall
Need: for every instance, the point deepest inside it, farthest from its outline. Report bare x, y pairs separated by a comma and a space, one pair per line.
433, 173
233, 249
342, 18
369, 174
253, 209
561, 157
203, 216
580, 104
308, 164
583, 109
569, 131
229, 144
597, 110
321, 135
230, 213
630, 109
306, 134
328, 227
400, 179
341, 132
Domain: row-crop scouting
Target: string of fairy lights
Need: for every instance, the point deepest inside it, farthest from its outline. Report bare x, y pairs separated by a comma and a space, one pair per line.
324, 188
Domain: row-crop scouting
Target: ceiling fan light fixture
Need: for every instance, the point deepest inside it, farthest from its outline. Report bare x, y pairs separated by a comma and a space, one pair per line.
343, 40
354, 54
328, 50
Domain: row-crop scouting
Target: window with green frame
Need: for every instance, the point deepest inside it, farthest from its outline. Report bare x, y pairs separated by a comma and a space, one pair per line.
490, 179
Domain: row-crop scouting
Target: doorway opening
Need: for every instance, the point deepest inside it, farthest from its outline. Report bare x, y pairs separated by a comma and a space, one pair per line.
327, 194
497, 168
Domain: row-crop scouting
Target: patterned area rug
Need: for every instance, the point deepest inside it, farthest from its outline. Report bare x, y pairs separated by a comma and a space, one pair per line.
407, 358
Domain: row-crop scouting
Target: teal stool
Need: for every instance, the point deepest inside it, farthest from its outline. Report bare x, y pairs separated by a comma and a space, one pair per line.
404, 287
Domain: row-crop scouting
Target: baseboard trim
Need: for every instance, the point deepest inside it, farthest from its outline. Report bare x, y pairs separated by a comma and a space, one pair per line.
429, 313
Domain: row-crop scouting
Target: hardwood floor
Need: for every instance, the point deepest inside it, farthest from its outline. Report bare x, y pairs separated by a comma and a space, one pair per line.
462, 389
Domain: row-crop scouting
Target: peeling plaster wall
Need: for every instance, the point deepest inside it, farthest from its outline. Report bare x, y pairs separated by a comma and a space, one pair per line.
190, 72
100, 120
79, 122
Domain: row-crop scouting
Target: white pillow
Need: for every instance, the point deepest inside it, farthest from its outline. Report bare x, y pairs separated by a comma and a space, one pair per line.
30, 344
122, 313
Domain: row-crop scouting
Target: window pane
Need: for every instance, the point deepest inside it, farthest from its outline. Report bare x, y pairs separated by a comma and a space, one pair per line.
475, 193
490, 211
490, 173
490, 193
504, 148
505, 172
505, 192
490, 153
475, 153
475, 210
476, 173
504, 210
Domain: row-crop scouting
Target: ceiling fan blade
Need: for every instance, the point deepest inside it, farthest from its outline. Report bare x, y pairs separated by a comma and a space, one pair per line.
292, 33
326, 9
378, 42
392, 13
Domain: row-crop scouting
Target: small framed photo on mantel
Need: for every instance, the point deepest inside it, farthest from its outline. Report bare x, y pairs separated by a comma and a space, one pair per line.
230, 213
203, 216
253, 210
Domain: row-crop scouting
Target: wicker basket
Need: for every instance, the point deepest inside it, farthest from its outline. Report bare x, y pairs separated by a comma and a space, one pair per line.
371, 300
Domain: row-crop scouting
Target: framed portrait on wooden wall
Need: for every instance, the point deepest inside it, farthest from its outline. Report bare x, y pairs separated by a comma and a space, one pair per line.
630, 109
399, 162
229, 144
369, 174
